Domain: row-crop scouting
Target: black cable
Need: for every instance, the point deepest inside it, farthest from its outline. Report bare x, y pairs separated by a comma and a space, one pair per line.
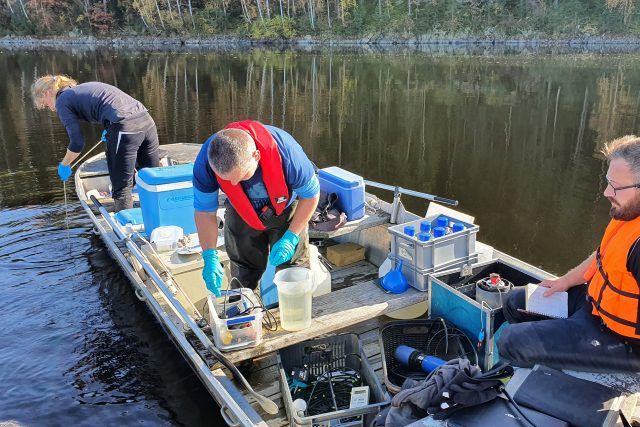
269, 321
517, 408
330, 391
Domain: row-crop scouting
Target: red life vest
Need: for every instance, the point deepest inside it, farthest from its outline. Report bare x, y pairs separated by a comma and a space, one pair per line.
613, 290
272, 175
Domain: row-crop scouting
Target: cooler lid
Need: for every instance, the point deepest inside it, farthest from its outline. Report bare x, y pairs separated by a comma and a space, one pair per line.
341, 177
166, 174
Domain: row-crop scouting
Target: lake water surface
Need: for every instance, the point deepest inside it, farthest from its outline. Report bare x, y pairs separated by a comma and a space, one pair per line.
514, 137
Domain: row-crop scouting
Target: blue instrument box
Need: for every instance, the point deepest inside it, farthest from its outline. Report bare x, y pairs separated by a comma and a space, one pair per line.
348, 186
452, 296
166, 197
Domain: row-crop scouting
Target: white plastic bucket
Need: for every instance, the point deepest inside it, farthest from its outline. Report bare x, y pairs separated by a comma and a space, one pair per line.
295, 288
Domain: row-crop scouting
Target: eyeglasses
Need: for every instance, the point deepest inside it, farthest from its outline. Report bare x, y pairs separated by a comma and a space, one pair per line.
616, 189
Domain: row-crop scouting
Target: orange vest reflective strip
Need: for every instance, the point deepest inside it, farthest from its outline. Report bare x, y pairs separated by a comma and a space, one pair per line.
272, 175
613, 290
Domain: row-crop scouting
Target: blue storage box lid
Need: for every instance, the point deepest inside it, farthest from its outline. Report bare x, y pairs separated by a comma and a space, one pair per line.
343, 178
166, 174
130, 216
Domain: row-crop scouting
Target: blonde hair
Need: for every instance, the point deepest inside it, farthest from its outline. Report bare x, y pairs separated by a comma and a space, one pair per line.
626, 148
50, 82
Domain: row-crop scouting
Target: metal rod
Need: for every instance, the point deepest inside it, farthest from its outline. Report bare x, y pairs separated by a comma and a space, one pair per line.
267, 404
418, 194
85, 154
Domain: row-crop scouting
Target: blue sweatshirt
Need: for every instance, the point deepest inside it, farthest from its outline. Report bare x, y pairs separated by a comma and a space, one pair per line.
299, 174
93, 102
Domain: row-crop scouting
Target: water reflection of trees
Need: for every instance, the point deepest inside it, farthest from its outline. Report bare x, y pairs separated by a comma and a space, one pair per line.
498, 132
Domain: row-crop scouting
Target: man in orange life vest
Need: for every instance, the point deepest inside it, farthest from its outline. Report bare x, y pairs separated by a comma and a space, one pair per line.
602, 332
272, 191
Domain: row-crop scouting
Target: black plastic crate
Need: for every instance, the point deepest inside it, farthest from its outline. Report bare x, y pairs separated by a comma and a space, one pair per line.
322, 354
433, 337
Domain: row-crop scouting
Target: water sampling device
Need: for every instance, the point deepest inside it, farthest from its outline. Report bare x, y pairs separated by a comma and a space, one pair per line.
416, 360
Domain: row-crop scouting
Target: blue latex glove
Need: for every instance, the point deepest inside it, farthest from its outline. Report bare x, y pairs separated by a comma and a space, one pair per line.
103, 138
284, 249
212, 273
64, 172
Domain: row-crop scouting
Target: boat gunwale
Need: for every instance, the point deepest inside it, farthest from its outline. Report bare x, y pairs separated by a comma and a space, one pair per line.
244, 412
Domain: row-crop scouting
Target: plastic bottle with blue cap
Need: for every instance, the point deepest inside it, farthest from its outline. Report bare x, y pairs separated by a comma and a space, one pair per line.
424, 237
444, 222
457, 226
410, 230
439, 232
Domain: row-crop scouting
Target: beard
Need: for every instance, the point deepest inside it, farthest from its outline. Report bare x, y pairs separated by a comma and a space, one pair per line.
625, 213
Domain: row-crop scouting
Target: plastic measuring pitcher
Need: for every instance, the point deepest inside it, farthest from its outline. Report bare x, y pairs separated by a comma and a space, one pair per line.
295, 288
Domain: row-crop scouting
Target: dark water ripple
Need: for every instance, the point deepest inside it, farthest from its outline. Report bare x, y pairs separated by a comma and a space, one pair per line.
76, 343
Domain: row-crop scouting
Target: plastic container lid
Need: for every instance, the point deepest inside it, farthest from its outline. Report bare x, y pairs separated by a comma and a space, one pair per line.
130, 216
409, 230
458, 226
443, 221
425, 226
166, 174
439, 231
341, 177
424, 237
166, 238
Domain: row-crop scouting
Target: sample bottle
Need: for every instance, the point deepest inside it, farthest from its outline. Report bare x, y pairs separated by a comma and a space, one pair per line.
425, 227
410, 230
424, 237
439, 232
458, 226
442, 221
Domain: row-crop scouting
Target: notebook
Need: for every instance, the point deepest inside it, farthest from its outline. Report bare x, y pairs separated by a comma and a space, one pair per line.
556, 305
501, 413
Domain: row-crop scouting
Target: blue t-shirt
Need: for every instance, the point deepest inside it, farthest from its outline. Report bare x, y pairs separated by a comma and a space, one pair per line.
299, 175
93, 102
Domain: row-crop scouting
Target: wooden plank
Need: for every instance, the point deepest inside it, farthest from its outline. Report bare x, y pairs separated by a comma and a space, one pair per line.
359, 268
369, 220
334, 311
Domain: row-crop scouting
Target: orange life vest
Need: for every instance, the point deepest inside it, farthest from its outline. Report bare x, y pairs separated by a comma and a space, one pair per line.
613, 290
272, 175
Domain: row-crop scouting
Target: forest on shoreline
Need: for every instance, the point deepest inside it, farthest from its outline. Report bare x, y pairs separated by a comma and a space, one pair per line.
323, 19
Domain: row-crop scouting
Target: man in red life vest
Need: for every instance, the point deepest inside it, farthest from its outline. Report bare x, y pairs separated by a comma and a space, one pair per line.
272, 191
602, 332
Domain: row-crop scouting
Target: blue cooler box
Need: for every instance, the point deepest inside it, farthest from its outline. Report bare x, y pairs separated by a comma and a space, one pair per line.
348, 186
166, 197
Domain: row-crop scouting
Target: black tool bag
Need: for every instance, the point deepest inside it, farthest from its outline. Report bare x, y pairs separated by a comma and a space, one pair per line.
326, 216
579, 402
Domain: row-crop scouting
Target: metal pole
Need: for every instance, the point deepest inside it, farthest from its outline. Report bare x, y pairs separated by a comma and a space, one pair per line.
418, 194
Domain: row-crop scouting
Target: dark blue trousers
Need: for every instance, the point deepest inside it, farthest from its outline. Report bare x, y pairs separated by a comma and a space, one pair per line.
132, 143
580, 342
